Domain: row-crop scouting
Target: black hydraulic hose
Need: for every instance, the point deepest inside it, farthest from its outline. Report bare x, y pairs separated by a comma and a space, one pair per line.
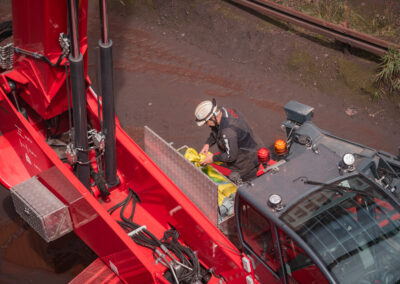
187, 259
184, 254
121, 213
107, 93
39, 56
150, 240
80, 119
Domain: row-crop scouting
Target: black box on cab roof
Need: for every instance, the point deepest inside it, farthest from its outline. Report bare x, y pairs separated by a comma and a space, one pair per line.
298, 112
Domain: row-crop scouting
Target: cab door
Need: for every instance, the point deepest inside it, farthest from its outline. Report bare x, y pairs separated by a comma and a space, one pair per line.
276, 256
259, 242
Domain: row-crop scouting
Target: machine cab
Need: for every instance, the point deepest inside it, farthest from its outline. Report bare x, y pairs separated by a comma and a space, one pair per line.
327, 212
347, 231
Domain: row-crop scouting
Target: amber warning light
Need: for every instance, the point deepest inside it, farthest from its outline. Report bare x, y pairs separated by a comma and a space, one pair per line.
280, 147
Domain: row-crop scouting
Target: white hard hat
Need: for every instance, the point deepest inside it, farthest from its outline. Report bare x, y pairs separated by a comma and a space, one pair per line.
204, 111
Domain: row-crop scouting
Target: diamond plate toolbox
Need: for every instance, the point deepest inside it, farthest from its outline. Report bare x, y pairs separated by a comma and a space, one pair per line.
43, 211
192, 181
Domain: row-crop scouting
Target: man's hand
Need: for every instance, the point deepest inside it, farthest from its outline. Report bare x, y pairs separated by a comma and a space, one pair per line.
208, 159
205, 149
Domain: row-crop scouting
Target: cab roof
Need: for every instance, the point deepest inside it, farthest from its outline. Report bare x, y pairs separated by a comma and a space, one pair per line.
288, 180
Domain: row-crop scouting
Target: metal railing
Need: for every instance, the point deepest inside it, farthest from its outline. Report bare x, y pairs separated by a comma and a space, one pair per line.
338, 32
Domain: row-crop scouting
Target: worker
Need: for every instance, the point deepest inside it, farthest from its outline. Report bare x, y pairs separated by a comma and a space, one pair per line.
234, 138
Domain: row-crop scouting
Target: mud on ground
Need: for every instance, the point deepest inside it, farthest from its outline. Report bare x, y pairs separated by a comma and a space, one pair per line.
169, 55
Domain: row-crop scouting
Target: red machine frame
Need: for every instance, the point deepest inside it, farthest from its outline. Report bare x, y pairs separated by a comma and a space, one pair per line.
41, 90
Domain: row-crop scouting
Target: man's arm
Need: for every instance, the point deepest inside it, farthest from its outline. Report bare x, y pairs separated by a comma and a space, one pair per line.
211, 139
231, 147
205, 149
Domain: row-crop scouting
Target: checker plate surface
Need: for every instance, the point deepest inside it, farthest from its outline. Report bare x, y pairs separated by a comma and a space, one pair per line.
44, 212
192, 181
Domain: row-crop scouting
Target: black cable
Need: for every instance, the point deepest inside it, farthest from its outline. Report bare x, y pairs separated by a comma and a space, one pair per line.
16, 101
6, 30
40, 56
5, 26
100, 182
121, 213
169, 241
219, 276
185, 255
115, 207
144, 238
62, 56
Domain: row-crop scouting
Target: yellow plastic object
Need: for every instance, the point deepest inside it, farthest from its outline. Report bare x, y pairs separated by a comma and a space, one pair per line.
194, 157
225, 187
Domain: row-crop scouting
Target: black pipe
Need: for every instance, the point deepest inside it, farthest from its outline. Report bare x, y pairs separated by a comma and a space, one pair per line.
107, 92
80, 119
78, 99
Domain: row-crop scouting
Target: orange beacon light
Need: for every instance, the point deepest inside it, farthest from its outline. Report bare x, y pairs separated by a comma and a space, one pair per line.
280, 147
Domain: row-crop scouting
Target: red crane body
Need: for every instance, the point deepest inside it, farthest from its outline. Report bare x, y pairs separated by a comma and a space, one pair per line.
33, 94
314, 216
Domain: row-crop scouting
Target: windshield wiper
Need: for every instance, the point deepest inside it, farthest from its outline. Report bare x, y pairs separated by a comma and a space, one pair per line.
338, 187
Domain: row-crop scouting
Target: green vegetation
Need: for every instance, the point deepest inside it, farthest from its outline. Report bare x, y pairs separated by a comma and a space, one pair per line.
358, 77
322, 72
388, 77
303, 63
383, 22
333, 11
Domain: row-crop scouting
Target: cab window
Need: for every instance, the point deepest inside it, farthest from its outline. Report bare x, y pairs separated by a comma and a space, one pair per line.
354, 227
299, 267
258, 235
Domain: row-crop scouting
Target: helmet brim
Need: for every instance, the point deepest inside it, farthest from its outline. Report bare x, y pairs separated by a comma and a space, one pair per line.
200, 123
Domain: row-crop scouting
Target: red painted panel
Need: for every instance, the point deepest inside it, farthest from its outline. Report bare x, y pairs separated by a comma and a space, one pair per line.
91, 222
20, 156
162, 203
37, 25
